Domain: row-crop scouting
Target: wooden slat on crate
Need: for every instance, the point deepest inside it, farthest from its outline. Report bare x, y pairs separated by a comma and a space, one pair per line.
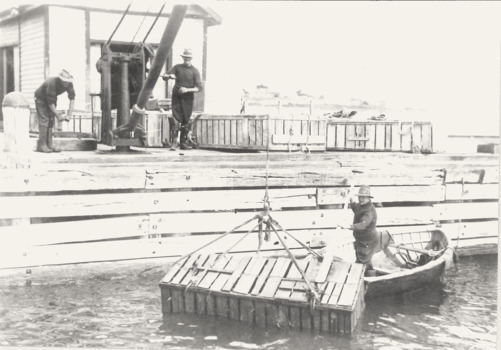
210, 276
279, 270
242, 264
249, 276
173, 269
263, 276
185, 269
200, 278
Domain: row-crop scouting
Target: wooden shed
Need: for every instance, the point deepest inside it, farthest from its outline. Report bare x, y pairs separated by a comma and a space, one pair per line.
37, 41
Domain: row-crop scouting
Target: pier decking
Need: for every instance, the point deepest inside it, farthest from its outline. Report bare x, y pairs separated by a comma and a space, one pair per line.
74, 207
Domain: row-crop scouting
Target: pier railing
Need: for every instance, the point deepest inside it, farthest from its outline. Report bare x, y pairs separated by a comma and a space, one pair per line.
112, 206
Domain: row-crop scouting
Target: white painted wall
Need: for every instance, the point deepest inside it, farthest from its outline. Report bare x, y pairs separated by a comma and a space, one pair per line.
67, 51
32, 55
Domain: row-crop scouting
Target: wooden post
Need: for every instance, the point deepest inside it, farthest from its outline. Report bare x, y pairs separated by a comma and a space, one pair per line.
279, 106
16, 118
312, 107
16, 112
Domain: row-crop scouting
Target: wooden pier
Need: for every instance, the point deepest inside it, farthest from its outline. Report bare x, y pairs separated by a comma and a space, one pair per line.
265, 291
74, 207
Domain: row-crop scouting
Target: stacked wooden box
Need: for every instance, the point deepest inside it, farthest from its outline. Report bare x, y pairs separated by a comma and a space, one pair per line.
265, 291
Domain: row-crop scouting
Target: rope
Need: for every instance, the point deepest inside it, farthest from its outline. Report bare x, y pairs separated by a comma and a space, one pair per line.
311, 251
217, 239
313, 292
266, 197
154, 22
459, 228
119, 23
140, 26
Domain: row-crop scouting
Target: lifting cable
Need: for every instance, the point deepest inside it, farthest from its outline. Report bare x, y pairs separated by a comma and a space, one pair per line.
140, 26
119, 23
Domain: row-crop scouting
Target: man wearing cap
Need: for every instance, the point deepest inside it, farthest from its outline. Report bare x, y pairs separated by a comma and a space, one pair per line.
368, 240
188, 82
46, 102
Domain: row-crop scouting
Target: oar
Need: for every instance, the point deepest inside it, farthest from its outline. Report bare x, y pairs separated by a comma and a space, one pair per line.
417, 250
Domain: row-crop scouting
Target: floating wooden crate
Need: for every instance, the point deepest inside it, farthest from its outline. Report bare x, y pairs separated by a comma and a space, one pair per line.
253, 131
363, 135
231, 131
416, 137
265, 291
290, 133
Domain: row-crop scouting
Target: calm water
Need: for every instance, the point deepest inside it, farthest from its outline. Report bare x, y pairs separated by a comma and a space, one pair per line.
118, 306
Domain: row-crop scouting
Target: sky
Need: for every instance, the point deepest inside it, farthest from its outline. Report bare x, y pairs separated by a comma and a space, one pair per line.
441, 58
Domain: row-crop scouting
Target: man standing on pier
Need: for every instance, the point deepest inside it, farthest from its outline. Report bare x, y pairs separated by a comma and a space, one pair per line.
188, 82
46, 102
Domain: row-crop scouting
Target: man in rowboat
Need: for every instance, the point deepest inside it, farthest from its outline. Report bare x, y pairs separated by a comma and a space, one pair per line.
368, 240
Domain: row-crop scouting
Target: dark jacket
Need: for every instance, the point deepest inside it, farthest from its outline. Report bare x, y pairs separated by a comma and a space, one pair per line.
51, 88
364, 221
186, 76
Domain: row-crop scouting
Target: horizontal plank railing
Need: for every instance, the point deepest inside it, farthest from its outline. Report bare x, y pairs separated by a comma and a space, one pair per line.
121, 207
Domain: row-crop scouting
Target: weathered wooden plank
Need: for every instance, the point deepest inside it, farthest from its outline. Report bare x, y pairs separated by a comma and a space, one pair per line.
223, 277
379, 135
341, 136
338, 272
173, 269
211, 276
471, 191
260, 313
263, 276
166, 298
328, 292
222, 306
336, 292
207, 264
319, 176
57, 180
467, 211
433, 193
249, 276
233, 132
244, 260
130, 203
78, 231
189, 301
355, 274
467, 231
185, 269
472, 174
279, 270
347, 296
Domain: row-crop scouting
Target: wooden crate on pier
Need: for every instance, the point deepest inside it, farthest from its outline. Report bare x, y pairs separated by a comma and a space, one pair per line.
265, 291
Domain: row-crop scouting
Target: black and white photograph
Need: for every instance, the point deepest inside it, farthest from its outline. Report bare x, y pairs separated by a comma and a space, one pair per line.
249, 175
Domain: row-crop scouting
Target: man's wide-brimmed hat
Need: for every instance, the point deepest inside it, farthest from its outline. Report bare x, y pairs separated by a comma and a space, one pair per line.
64, 75
364, 191
187, 53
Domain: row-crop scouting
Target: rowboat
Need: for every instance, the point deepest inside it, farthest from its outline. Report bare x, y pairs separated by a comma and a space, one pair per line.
409, 266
